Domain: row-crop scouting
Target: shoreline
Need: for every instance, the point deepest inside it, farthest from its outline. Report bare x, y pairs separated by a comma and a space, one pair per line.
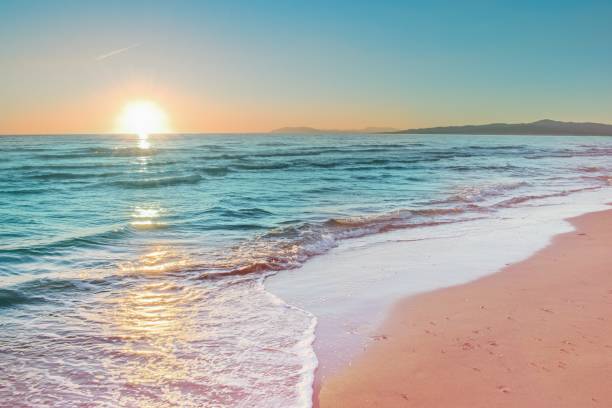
513, 338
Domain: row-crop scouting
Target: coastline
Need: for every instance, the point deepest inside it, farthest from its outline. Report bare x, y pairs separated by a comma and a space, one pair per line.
513, 338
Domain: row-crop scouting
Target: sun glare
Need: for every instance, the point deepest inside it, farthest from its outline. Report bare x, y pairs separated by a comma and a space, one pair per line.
143, 118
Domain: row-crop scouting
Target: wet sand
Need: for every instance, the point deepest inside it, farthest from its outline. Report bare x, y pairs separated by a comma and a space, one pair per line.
536, 334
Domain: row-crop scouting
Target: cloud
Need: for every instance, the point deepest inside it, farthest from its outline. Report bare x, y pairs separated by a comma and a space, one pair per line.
115, 52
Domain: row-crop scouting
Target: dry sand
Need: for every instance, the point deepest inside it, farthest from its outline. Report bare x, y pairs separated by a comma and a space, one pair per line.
536, 334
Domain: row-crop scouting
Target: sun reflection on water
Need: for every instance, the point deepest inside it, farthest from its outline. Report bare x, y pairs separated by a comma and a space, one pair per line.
153, 320
160, 259
143, 141
146, 217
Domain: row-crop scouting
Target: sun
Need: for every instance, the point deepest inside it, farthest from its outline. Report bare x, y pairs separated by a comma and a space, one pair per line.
142, 118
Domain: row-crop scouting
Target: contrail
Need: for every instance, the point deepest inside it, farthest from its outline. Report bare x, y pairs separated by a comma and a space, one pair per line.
115, 52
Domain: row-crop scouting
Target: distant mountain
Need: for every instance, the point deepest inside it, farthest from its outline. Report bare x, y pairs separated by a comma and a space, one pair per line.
306, 129
541, 127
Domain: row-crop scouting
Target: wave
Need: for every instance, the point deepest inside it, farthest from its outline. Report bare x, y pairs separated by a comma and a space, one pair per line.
46, 289
100, 152
215, 171
245, 213
326, 165
72, 176
522, 199
11, 297
271, 255
590, 169
436, 155
507, 167
323, 190
251, 156
263, 166
26, 191
367, 164
569, 153
595, 152
473, 194
502, 147
389, 167
310, 152
120, 152
598, 174
55, 166
289, 247
385, 146
159, 182
98, 237
399, 218
602, 179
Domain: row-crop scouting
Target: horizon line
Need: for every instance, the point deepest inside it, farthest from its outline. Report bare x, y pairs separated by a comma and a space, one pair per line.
275, 130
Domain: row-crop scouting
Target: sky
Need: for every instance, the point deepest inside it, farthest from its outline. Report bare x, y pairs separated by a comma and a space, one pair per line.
252, 66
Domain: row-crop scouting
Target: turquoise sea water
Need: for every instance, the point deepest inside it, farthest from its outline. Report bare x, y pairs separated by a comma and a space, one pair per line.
131, 269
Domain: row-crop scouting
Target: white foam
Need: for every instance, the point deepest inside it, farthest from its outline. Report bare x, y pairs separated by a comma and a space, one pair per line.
305, 352
350, 288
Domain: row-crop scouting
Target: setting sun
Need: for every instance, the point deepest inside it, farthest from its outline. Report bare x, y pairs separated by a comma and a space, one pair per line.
142, 118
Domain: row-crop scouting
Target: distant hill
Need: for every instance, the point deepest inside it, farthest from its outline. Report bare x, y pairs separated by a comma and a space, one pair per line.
540, 127
309, 130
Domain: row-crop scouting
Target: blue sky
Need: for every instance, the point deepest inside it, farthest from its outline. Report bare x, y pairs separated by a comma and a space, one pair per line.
257, 65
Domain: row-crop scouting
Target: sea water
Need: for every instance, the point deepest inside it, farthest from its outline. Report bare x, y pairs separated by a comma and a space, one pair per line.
132, 271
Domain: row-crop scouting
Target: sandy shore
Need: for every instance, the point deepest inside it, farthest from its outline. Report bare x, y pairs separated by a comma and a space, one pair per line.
536, 334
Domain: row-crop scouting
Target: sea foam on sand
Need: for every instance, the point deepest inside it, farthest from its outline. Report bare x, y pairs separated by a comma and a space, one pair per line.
350, 288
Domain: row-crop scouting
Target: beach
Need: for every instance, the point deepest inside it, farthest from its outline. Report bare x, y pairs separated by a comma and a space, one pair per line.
305, 204
535, 334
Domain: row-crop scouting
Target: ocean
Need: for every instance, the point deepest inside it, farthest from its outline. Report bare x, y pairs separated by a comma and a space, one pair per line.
133, 270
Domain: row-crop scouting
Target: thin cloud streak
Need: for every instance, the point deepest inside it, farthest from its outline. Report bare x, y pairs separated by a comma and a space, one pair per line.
115, 52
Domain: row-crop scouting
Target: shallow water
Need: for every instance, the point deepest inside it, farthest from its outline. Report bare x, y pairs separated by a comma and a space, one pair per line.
132, 270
